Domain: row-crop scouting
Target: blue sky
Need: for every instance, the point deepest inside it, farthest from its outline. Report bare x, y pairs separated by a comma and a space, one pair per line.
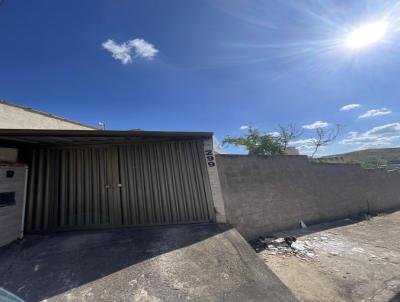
206, 65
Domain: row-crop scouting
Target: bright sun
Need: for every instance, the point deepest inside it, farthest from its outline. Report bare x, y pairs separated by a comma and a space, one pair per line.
366, 34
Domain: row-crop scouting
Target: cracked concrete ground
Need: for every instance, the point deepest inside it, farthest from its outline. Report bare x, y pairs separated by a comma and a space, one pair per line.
175, 263
354, 261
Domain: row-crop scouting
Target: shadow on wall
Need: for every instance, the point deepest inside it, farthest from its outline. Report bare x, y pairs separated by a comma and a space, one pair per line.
265, 194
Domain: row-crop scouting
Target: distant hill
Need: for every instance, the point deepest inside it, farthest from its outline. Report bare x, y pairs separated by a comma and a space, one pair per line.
388, 158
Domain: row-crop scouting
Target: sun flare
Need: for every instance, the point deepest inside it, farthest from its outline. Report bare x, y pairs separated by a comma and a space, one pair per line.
367, 34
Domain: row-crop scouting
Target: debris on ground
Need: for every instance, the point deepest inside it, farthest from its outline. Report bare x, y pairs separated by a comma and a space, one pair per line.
309, 246
363, 216
302, 224
285, 246
289, 240
279, 240
354, 259
297, 246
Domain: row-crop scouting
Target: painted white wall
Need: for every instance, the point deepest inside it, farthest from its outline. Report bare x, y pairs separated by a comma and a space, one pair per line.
14, 117
219, 205
11, 217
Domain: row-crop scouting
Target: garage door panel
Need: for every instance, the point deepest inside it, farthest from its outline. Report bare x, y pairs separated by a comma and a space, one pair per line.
164, 183
112, 186
68, 189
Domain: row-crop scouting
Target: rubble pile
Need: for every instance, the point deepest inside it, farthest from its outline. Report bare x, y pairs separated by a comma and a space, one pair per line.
287, 246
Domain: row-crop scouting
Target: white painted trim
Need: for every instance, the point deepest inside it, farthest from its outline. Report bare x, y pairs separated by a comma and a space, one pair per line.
216, 191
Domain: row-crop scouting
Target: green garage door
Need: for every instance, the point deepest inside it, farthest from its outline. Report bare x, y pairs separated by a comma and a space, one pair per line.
113, 186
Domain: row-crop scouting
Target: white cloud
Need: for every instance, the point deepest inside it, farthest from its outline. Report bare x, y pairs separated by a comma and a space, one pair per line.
353, 133
305, 146
384, 135
315, 125
388, 128
143, 49
349, 107
244, 127
375, 112
218, 146
127, 51
306, 143
119, 51
274, 134
367, 141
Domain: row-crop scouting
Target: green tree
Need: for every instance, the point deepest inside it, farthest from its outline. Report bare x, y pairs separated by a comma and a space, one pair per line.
257, 143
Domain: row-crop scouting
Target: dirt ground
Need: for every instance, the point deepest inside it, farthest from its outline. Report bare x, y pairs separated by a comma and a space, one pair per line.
347, 260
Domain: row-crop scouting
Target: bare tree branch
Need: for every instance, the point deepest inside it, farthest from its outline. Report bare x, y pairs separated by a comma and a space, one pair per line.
324, 137
288, 133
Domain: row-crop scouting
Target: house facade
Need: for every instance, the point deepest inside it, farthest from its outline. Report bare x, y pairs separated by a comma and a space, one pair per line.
81, 179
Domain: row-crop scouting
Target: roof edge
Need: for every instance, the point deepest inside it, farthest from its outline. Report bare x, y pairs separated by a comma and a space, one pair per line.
101, 133
4, 102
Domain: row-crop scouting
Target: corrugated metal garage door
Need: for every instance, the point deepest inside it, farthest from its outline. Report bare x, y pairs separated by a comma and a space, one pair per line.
112, 186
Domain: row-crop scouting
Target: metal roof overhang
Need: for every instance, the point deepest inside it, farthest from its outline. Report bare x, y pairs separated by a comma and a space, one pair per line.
77, 137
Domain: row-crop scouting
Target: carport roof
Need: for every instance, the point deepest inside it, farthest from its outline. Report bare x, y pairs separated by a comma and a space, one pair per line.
31, 136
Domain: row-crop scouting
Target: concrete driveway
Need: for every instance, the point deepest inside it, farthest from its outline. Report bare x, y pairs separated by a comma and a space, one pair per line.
180, 263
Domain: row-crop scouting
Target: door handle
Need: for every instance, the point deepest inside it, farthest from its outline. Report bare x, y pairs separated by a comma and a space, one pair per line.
107, 186
119, 185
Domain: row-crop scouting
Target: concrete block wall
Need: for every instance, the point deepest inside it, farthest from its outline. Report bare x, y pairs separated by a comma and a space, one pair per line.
265, 194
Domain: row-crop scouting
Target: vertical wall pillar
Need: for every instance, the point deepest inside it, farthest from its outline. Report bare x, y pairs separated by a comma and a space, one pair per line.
212, 169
